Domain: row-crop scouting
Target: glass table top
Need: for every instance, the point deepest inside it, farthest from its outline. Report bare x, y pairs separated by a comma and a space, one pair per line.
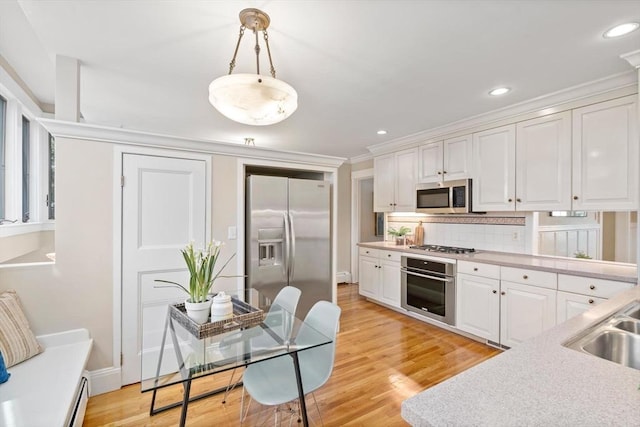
181, 355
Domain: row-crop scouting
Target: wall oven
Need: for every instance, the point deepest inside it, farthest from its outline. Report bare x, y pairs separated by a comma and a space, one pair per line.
429, 287
444, 197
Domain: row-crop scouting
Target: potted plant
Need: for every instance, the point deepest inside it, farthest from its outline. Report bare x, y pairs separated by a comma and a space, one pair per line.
399, 234
200, 264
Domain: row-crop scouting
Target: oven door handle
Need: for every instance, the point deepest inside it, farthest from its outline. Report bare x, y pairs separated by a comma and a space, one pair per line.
439, 279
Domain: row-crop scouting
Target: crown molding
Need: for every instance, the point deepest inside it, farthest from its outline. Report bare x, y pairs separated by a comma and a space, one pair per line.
360, 158
614, 86
632, 57
73, 130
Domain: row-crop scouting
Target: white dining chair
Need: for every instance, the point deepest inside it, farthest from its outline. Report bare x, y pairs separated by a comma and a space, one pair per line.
286, 299
272, 382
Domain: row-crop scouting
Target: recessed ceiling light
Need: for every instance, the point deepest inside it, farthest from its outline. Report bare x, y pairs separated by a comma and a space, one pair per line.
499, 91
621, 30
382, 132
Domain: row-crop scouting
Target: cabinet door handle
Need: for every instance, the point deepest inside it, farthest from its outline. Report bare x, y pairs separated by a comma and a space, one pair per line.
439, 173
525, 277
389, 255
518, 200
494, 291
444, 171
592, 287
475, 268
575, 197
510, 200
591, 301
503, 293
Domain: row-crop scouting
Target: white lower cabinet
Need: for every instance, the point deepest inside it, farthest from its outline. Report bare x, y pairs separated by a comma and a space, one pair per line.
577, 294
380, 276
570, 304
478, 306
525, 311
503, 311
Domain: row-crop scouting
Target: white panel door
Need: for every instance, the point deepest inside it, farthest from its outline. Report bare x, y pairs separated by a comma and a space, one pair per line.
430, 167
605, 155
457, 158
390, 282
164, 206
494, 162
478, 306
543, 163
406, 167
525, 311
384, 183
369, 277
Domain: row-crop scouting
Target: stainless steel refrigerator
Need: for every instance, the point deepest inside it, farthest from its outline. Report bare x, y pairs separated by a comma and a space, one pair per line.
288, 238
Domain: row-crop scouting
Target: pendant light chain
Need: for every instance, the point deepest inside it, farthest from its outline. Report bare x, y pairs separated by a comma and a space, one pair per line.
232, 64
266, 41
257, 49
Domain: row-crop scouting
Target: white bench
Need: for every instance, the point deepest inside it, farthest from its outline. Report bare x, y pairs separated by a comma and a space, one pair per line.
50, 389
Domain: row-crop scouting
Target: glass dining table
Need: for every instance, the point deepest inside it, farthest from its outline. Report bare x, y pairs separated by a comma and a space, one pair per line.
185, 352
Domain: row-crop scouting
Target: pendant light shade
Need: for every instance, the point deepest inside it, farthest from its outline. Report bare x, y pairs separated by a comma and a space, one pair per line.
253, 99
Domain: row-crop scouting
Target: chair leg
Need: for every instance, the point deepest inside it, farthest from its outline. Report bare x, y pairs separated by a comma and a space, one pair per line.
317, 408
243, 413
230, 387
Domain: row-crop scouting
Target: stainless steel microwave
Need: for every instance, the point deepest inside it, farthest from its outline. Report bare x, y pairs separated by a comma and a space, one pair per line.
444, 197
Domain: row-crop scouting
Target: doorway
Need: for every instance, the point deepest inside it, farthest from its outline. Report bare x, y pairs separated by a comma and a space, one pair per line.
365, 223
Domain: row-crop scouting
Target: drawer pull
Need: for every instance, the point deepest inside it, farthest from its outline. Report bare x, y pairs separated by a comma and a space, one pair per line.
389, 255
525, 277
494, 291
475, 268
592, 287
591, 301
503, 293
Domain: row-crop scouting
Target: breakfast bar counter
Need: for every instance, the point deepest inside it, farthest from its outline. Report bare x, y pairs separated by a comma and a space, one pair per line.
538, 383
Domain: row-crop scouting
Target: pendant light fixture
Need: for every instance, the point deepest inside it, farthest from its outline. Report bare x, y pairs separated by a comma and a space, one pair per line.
253, 99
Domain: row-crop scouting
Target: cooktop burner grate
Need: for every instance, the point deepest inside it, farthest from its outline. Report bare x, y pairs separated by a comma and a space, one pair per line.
444, 249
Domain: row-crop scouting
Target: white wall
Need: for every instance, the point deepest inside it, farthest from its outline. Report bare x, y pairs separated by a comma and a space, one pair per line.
75, 292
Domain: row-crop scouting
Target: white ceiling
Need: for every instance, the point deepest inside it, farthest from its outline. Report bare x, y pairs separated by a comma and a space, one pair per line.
358, 66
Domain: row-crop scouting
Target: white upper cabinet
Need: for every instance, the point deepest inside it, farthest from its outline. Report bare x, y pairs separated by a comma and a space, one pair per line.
494, 155
605, 155
543, 163
445, 160
430, 168
394, 181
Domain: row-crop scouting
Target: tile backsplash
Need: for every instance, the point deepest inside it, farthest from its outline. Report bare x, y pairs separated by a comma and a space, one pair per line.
486, 233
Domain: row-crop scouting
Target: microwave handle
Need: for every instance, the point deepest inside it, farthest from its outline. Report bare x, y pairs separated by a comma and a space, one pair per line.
439, 279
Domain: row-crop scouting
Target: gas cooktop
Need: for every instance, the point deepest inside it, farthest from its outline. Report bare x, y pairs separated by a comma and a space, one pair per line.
444, 249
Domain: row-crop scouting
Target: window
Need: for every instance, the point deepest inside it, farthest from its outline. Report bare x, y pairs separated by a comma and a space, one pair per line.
26, 152
51, 196
3, 115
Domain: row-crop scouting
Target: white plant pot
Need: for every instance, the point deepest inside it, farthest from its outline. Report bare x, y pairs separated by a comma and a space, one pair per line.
198, 311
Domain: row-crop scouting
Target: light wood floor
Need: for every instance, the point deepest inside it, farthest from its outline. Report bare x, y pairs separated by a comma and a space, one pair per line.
382, 358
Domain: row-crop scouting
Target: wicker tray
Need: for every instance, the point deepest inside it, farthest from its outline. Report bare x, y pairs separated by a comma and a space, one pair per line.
244, 316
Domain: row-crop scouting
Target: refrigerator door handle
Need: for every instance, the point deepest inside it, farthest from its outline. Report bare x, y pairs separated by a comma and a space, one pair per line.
286, 246
292, 249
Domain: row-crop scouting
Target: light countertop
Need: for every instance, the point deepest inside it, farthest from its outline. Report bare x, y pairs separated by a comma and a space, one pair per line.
538, 383
577, 267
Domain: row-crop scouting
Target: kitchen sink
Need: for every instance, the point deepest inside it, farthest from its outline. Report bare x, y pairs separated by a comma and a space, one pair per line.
616, 338
632, 326
617, 346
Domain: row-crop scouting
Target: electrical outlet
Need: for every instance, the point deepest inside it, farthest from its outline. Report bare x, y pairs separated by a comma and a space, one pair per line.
515, 236
231, 233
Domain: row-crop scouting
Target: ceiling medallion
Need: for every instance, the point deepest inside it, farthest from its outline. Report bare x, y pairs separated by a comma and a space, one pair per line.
253, 99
